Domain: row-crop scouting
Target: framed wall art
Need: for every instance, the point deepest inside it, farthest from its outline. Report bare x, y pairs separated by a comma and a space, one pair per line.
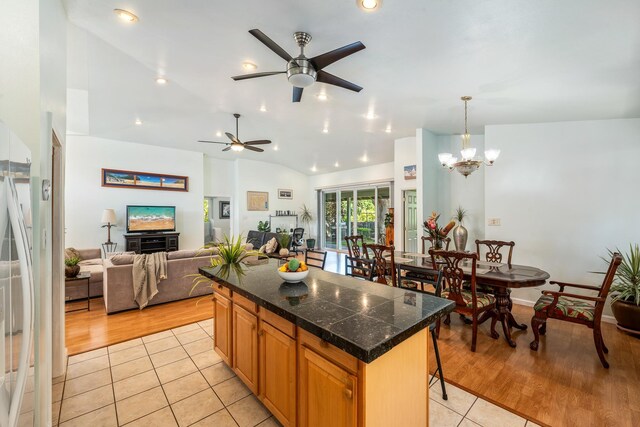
225, 210
144, 180
285, 194
257, 201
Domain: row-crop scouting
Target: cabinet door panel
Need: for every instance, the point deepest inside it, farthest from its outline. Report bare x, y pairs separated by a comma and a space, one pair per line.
278, 374
327, 392
222, 327
245, 347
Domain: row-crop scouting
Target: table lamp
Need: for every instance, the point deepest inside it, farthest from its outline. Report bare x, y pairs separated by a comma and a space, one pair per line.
108, 220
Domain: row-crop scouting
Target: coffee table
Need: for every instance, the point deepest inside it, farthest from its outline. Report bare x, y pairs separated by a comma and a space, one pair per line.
79, 280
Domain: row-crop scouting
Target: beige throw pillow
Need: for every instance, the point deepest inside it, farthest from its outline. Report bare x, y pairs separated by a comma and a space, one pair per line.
71, 253
272, 245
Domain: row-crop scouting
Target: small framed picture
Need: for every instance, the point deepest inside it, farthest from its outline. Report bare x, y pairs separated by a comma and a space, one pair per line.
410, 172
225, 210
285, 194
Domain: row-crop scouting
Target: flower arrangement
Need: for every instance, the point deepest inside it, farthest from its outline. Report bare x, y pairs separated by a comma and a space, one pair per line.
436, 232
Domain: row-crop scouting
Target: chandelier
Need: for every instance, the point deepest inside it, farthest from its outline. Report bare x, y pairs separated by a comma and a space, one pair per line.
469, 162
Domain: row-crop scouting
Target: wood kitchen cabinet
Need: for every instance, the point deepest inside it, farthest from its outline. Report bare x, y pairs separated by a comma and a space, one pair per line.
328, 393
245, 346
222, 326
278, 373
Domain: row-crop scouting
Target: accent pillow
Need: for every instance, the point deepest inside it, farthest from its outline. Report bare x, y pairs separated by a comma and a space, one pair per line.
71, 253
112, 254
262, 249
121, 259
272, 245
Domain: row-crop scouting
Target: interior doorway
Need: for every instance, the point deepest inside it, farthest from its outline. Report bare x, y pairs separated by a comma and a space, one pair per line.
410, 220
217, 218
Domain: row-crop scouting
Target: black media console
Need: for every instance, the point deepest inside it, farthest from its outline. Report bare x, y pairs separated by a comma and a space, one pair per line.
146, 243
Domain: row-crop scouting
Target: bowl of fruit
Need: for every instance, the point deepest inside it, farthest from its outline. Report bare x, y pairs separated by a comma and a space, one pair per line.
293, 271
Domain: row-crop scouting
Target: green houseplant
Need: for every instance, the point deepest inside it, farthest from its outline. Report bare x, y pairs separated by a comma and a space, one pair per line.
264, 226
71, 268
625, 291
306, 218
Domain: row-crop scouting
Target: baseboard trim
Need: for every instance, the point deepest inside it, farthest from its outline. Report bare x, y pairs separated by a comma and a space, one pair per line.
605, 317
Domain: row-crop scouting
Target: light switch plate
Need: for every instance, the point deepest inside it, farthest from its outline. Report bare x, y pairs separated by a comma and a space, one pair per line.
493, 222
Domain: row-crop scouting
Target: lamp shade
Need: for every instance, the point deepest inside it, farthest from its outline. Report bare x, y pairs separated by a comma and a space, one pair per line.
108, 216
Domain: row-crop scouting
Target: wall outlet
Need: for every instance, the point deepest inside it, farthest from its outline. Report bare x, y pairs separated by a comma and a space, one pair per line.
493, 222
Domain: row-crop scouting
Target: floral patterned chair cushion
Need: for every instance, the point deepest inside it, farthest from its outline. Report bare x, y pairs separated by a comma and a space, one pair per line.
566, 307
404, 283
482, 298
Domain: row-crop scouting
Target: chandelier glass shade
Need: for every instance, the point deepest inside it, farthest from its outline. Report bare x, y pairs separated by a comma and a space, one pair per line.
468, 161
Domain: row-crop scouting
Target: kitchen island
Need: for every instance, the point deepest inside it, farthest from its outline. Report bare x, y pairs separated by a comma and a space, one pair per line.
329, 351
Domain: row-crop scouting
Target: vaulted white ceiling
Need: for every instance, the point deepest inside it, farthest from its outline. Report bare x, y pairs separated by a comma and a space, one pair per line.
522, 61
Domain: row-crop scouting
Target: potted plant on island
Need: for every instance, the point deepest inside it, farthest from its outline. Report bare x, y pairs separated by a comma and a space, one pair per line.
625, 291
71, 268
306, 218
460, 233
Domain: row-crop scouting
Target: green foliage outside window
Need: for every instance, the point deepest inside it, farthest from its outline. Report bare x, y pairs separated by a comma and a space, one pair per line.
206, 210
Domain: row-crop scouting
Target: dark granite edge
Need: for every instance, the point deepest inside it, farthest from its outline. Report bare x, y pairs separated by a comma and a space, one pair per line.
366, 355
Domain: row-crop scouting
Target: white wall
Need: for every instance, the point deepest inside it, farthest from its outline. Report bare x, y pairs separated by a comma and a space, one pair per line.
218, 177
430, 192
404, 154
565, 193
85, 197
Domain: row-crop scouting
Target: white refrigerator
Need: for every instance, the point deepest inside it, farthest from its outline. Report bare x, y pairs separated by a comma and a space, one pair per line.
16, 283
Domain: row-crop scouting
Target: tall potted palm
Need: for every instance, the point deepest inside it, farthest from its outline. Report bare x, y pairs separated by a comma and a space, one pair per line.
625, 302
306, 218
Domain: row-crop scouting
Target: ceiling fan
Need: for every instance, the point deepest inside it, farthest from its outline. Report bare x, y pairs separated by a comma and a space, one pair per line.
302, 71
236, 144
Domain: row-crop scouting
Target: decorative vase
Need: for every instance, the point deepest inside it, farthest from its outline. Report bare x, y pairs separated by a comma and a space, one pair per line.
389, 230
71, 271
437, 244
627, 315
460, 236
284, 252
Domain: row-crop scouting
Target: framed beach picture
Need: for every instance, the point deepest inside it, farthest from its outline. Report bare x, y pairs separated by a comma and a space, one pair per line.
257, 201
144, 180
410, 172
285, 194
225, 210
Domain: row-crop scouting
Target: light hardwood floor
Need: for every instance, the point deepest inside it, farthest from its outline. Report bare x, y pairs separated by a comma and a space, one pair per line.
563, 384
89, 330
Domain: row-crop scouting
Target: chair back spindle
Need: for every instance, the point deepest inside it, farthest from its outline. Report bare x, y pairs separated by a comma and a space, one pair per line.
384, 267
494, 248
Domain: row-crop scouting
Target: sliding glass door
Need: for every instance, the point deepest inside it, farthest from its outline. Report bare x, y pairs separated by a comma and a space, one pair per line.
349, 211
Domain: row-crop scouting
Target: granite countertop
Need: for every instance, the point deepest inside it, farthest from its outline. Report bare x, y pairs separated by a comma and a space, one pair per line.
364, 319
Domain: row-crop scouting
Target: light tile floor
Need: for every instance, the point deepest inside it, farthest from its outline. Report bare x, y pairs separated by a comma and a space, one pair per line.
174, 378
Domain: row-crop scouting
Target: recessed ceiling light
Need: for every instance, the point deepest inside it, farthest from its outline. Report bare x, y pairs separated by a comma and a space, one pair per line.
325, 130
365, 159
161, 80
263, 108
249, 66
275, 148
322, 96
218, 134
138, 122
388, 129
313, 168
125, 15
370, 115
369, 5
336, 164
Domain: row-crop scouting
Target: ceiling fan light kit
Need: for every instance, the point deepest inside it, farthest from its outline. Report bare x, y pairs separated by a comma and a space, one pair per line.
302, 71
469, 162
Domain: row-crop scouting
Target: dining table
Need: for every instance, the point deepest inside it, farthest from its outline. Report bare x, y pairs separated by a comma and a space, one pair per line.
500, 277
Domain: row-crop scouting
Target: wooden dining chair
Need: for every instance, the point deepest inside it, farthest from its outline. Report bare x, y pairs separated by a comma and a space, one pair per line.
314, 258
384, 266
355, 246
581, 309
478, 305
429, 239
493, 250
359, 267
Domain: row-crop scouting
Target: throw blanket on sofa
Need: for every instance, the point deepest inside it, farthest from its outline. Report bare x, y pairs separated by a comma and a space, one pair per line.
148, 270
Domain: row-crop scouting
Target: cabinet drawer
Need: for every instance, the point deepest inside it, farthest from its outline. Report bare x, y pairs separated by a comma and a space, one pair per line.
222, 290
245, 303
327, 350
279, 323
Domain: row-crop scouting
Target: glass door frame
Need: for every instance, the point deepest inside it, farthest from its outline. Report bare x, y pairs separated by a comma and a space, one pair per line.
352, 188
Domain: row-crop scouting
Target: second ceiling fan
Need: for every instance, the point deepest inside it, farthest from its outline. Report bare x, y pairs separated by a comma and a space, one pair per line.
302, 71
236, 144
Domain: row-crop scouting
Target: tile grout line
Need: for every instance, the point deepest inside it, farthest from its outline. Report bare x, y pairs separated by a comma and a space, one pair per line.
113, 390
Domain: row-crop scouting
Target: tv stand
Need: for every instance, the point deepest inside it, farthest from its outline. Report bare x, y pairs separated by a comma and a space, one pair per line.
146, 243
